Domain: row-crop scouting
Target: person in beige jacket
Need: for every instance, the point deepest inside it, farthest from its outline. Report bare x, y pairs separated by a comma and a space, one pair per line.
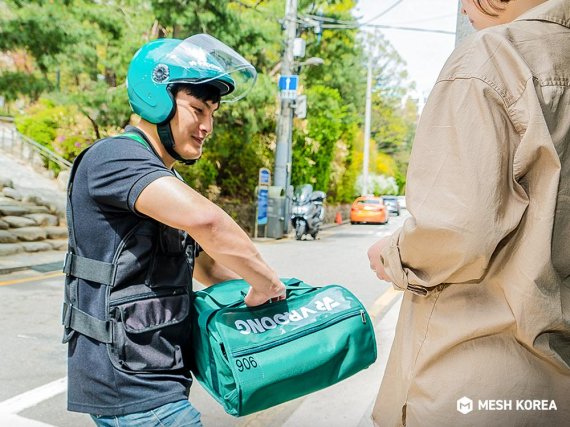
483, 335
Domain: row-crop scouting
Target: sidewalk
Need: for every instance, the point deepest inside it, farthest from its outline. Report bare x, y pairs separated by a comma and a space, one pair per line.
27, 180
38, 261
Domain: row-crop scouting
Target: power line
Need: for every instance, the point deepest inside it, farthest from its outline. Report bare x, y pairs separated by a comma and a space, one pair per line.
388, 27
337, 24
423, 30
384, 12
324, 19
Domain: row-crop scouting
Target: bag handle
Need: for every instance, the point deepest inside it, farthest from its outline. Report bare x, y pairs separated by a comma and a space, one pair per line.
291, 284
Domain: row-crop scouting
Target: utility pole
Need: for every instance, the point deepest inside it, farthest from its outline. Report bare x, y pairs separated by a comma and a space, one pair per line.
463, 26
283, 149
367, 119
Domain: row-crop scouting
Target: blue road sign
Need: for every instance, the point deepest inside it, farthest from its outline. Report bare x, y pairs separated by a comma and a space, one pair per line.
288, 82
262, 198
264, 176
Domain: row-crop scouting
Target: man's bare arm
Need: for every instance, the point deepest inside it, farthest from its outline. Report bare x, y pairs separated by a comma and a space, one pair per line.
209, 272
170, 201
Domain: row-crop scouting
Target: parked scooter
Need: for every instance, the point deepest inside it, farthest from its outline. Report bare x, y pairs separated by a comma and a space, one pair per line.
308, 212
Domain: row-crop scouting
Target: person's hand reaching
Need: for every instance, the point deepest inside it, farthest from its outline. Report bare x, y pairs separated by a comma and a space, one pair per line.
255, 297
374, 257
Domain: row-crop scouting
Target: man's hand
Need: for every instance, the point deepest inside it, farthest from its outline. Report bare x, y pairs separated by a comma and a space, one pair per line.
374, 257
255, 297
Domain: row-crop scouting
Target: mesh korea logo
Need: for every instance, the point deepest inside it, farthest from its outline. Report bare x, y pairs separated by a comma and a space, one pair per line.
464, 405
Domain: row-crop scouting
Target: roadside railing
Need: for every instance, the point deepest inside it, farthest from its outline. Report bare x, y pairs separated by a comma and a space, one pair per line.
13, 142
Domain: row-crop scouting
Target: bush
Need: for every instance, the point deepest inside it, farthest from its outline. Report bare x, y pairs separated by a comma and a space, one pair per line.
200, 176
379, 185
60, 128
40, 122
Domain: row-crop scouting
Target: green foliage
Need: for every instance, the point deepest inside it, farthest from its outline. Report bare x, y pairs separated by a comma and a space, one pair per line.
13, 84
313, 150
76, 54
40, 122
200, 176
37, 27
391, 129
385, 164
400, 177
60, 128
83, 61
104, 106
347, 190
342, 54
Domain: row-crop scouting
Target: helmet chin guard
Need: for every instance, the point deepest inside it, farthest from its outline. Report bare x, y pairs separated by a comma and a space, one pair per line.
166, 138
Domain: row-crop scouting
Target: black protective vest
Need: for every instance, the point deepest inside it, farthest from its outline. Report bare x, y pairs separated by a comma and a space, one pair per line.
148, 288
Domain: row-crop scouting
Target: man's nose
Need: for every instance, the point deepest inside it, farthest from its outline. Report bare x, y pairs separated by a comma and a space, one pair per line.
206, 125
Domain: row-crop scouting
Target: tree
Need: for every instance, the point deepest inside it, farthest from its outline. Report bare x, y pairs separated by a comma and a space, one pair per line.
83, 62
78, 70
324, 141
314, 147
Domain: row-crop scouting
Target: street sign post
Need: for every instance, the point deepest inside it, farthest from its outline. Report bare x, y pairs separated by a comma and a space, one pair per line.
264, 181
264, 176
262, 197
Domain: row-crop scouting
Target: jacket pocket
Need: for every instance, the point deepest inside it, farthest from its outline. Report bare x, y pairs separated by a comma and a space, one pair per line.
172, 260
134, 254
150, 334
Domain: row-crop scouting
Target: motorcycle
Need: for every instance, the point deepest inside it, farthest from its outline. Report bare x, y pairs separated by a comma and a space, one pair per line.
308, 212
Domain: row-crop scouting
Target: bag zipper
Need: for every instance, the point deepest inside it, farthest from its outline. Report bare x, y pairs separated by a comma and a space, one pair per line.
260, 347
147, 295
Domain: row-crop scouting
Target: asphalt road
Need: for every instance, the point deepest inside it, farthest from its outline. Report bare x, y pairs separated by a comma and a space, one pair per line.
33, 362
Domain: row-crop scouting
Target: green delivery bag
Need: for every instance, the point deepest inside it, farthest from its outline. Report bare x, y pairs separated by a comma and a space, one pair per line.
250, 359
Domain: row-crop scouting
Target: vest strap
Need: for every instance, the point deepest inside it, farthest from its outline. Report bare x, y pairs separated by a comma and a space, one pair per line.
89, 269
85, 324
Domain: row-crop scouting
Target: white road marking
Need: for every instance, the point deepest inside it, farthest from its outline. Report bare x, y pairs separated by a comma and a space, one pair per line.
33, 397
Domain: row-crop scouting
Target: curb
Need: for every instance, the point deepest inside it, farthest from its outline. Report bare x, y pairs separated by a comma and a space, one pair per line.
8, 270
291, 235
42, 268
41, 263
334, 224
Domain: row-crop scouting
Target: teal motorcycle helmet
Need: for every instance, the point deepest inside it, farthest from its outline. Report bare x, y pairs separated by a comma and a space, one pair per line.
197, 60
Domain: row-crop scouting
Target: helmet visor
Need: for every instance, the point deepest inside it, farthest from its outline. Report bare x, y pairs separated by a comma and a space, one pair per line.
212, 61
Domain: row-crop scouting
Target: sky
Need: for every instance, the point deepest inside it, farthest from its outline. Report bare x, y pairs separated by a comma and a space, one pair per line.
424, 53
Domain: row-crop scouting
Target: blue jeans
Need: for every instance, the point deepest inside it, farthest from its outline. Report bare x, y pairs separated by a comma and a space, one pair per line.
175, 414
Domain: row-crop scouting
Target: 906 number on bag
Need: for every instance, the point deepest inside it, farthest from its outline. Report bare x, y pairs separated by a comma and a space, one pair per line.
246, 363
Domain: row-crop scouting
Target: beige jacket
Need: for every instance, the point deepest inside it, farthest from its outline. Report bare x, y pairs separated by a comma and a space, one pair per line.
484, 259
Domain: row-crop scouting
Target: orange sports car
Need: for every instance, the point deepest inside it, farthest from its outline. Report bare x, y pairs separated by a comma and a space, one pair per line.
369, 209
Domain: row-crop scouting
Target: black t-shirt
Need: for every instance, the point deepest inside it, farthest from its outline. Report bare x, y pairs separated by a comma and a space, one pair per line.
108, 181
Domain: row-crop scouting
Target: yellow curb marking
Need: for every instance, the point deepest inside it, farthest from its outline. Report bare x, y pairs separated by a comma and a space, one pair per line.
31, 279
383, 301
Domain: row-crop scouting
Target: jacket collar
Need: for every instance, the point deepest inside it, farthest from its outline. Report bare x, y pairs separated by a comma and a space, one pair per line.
557, 11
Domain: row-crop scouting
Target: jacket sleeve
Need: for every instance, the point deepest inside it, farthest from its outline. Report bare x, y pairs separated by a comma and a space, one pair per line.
460, 192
